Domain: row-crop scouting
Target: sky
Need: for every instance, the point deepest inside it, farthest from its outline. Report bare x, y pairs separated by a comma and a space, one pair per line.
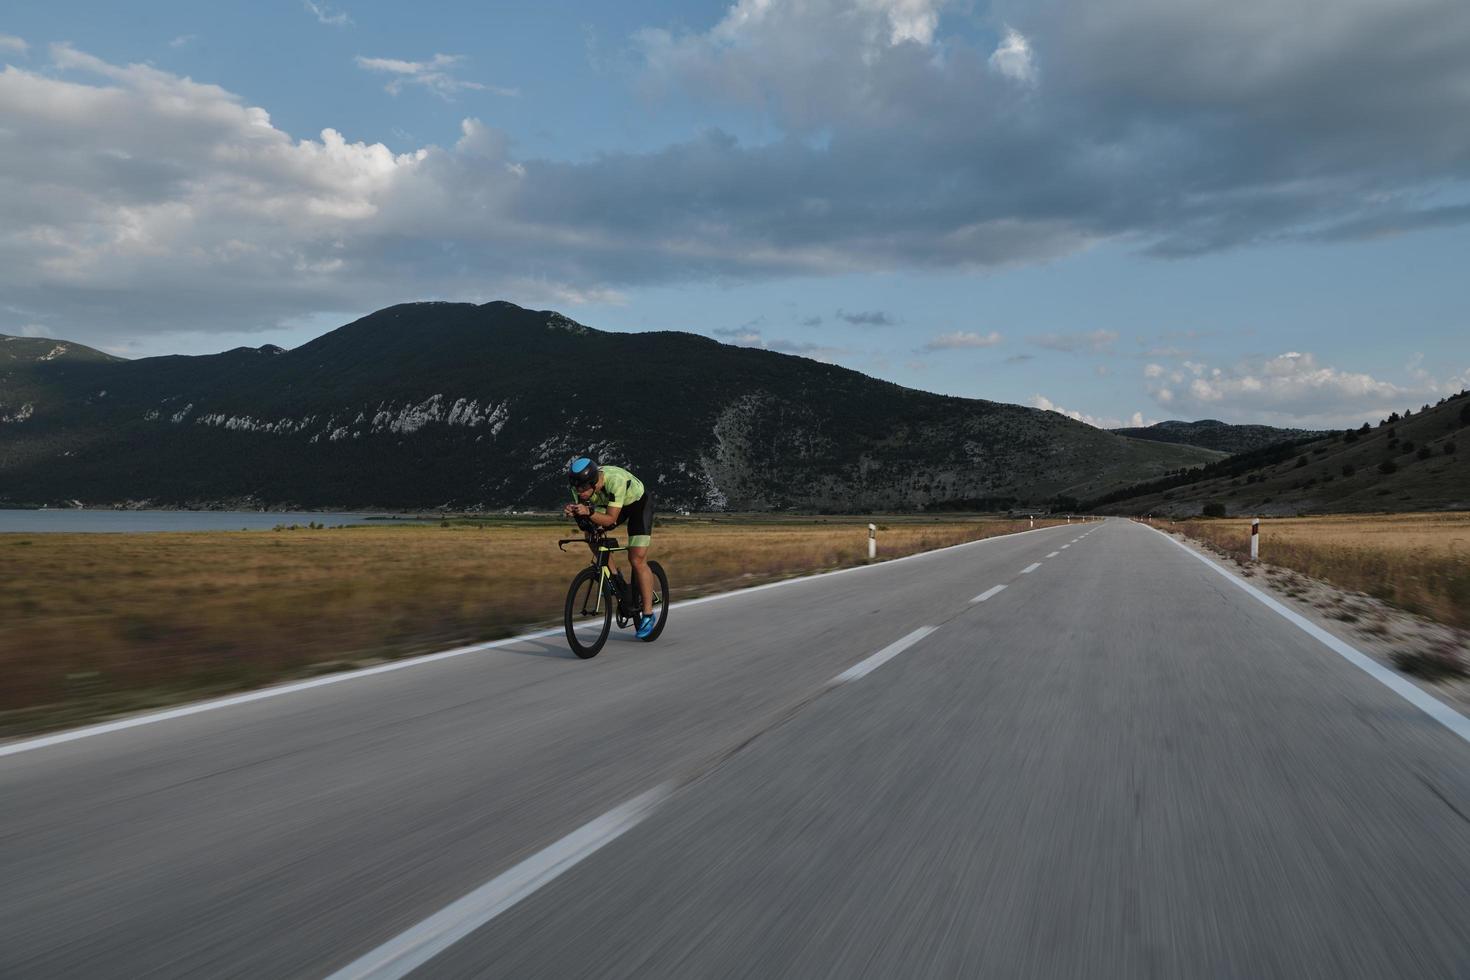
1122, 210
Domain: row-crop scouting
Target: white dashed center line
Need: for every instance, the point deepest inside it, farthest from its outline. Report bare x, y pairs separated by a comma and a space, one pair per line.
882, 657
987, 593
1031, 568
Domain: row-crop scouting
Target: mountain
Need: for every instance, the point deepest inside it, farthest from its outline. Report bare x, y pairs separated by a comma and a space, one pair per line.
25, 350
464, 406
1217, 435
1417, 461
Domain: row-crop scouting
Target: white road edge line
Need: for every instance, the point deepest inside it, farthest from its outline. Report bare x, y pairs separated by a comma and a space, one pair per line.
1408, 690
866, 667
107, 727
988, 593
413, 948
1031, 568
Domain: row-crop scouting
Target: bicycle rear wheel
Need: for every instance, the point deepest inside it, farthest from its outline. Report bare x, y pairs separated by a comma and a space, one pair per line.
588, 614
660, 600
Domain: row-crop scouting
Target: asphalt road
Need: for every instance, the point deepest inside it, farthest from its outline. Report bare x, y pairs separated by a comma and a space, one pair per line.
1118, 765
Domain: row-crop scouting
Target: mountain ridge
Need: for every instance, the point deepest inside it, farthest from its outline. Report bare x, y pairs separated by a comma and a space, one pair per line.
1221, 436
479, 406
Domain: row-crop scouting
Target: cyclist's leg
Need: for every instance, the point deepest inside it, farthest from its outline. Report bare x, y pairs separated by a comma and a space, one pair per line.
640, 538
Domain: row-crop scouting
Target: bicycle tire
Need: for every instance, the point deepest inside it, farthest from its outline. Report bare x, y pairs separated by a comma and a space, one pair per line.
660, 600
583, 596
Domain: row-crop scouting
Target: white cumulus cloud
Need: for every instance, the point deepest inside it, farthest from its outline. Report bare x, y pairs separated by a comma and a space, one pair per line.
1097, 422
1012, 58
1291, 389
11, 43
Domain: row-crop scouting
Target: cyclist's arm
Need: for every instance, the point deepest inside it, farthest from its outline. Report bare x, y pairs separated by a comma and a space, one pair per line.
608, 519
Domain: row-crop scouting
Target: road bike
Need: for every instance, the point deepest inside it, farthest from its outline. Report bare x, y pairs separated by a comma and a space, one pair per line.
599, 592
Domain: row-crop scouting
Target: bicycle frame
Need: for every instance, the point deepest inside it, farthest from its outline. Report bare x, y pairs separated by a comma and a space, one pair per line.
601, 559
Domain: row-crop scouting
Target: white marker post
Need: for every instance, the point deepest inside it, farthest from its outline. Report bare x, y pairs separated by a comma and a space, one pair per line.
1255, 539
1032, 519
872, 541
1069, 518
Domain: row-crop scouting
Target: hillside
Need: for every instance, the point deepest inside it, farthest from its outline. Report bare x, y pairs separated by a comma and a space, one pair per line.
464, 406
1414, 462
25, 350
1217, 435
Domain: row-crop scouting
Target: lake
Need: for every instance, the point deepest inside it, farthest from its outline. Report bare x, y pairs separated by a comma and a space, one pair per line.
116, 521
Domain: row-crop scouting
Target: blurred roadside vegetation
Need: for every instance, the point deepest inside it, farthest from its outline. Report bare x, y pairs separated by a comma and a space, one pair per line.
98, 624
1417, 562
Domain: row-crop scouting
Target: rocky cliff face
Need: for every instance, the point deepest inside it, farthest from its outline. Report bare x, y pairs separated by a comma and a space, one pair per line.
440, 404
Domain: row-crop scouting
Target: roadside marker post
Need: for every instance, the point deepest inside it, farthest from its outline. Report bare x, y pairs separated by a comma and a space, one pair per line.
1032, 518
872, 541
1255, 539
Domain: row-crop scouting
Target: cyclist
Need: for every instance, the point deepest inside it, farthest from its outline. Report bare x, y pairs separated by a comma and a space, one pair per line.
609, 496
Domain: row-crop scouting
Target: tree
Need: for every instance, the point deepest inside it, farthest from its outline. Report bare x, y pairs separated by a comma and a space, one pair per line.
1213, 509
1348, 469
1388, 466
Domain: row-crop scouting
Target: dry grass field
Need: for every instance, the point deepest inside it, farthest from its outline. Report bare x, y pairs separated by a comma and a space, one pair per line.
94, 624
1418, 562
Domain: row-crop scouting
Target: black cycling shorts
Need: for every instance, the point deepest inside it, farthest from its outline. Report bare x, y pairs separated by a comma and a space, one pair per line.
639, 517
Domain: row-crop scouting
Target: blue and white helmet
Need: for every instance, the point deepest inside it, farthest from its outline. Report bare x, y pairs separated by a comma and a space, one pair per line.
582, 472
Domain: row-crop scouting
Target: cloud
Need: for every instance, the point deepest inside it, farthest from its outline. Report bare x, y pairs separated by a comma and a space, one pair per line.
1290, 389
1013, 58
1047, 405
434, 75
1095, 341
1020, 358
326, 15
746, 336
9, 42
890, 141
962, 339
183, 40
1176, 124
812, 321
871, 318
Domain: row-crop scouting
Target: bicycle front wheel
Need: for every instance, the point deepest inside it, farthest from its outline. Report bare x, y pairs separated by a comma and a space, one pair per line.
588, 614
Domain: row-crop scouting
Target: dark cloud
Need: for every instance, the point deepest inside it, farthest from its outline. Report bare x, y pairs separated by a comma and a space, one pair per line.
871, 318
135, 200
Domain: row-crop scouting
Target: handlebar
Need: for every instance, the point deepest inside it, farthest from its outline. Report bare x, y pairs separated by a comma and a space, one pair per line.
591, 534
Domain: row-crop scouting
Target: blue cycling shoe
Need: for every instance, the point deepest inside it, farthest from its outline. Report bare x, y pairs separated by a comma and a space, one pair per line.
646, 623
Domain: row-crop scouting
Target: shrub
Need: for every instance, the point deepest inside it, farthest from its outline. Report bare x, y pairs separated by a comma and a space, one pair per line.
1388, 466
1348, 469
1301, 461
1449, 449
1425, 452
1213, 509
